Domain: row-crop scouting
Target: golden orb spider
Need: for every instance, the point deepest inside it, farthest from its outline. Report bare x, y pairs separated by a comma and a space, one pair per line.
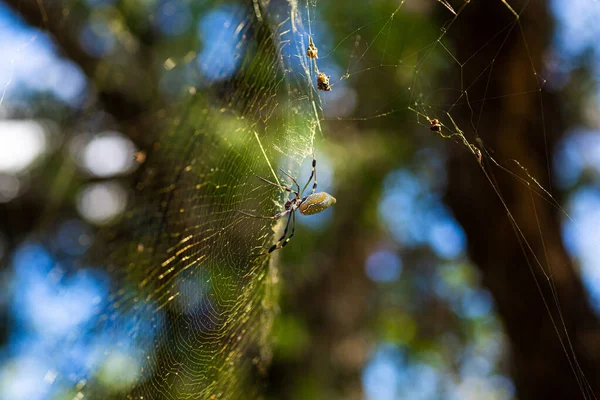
314, 203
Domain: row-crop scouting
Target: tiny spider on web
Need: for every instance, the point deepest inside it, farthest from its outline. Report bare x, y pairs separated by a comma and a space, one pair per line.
312, 51
477, 153
435, 125
314, 203
323, 82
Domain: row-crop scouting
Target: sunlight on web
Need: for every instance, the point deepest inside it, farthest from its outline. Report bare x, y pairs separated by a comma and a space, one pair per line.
190, 297
188, 251
191, 305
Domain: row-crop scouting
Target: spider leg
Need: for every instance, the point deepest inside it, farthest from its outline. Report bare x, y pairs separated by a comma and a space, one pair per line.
278, 185
282, 243
312, 174
293, 231
278, 245
291, 177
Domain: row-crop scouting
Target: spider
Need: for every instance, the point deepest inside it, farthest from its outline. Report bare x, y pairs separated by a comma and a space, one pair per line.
435, 125
478, 155
476, 152
323, 82
314, 203
312, 51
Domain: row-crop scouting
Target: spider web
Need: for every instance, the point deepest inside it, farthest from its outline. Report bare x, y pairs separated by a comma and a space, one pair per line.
422, 92
189, 292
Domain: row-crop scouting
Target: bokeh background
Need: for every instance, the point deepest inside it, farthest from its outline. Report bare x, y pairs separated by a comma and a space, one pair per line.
414, 286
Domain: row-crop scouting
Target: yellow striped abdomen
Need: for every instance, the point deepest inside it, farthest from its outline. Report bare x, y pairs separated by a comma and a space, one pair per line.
315, 203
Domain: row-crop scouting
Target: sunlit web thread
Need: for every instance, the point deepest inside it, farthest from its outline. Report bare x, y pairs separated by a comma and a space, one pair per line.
533, 184
565, 342
528, 251
489, 68
569, 352
352, 64
428, 51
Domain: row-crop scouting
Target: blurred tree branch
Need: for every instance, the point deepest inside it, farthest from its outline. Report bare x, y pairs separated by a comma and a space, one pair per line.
125, 94
125, 87
541, 369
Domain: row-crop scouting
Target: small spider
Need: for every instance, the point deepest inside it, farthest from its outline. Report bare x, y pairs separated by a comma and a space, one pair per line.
312, 51
435, 125
323, 82
314, 203
478, 154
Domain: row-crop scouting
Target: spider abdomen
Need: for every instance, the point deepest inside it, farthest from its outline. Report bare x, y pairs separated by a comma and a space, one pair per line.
315, 203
